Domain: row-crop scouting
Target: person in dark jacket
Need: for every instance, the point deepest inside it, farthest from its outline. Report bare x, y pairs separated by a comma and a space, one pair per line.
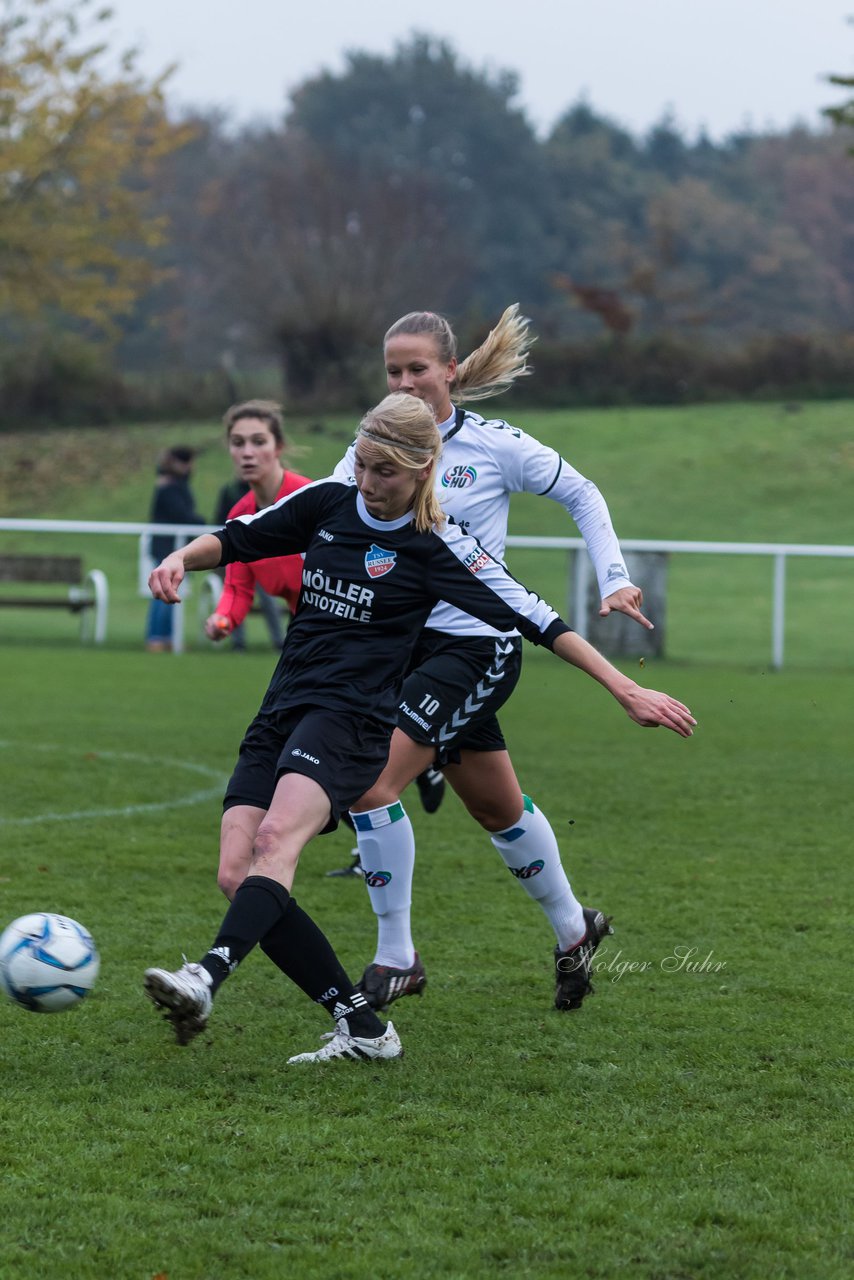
172, 503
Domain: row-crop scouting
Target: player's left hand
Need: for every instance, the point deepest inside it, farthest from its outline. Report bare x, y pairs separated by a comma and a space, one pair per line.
217, 626
627, 600
652, 709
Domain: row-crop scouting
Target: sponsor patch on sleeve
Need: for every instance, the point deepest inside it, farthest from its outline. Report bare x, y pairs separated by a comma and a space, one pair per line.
476, 559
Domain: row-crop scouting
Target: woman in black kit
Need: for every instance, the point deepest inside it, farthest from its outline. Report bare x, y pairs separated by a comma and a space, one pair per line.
377, 558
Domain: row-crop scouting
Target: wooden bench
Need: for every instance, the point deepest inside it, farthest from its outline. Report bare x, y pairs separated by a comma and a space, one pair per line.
87, 593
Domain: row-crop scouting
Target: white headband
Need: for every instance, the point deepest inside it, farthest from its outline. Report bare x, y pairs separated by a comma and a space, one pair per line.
397, 444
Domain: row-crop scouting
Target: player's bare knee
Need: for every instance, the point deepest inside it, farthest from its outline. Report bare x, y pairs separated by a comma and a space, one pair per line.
493, 816
380, 795
267, 844
275, 852
229, 880
234, 861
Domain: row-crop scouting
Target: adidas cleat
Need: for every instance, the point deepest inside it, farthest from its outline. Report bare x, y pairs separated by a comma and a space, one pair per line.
186, 997
381, 985
340, 1044
572, 968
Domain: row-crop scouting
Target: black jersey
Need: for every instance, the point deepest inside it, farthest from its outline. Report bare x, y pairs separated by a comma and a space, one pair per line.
368, 587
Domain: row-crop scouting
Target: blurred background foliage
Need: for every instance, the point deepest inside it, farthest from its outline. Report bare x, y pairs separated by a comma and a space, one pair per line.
154, 265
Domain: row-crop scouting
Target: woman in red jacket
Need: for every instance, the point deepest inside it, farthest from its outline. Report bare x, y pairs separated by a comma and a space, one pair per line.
256, 441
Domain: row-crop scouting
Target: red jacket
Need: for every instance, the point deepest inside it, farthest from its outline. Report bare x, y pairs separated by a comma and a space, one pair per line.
280, 576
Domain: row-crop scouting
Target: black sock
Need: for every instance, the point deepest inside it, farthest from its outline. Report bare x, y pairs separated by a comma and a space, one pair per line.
302, 951
256, 907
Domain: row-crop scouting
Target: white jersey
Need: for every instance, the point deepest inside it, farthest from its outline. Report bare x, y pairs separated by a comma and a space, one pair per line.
485, 460
368, 587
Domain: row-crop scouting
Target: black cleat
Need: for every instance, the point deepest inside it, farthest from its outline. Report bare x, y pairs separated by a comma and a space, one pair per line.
572, 968
354, 869
431, 789
382, 985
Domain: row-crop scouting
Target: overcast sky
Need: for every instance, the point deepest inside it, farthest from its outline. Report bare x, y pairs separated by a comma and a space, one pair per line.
722, 65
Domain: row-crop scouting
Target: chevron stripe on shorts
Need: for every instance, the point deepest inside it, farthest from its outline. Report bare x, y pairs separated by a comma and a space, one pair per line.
484, 689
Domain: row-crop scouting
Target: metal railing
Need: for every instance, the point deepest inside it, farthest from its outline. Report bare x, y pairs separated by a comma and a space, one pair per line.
780, 552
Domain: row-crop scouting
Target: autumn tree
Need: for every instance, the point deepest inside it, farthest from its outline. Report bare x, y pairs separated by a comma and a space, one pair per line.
422, 116
311, 260
76, 145
401, 184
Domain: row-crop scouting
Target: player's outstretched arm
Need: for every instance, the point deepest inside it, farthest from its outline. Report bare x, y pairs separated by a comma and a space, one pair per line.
646, 707
627, 600
203, 552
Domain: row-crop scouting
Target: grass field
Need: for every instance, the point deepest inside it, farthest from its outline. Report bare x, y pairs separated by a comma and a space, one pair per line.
687, 1123
692, 1122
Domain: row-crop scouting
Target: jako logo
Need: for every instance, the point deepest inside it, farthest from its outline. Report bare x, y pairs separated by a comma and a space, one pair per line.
525, 873
459, 477
377, 879
303, 755
378, 562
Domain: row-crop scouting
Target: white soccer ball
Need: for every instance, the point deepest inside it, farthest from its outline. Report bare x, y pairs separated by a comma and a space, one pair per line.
47, 962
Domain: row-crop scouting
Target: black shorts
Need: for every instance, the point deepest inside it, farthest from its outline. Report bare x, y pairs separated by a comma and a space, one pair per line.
454, 688
343, 753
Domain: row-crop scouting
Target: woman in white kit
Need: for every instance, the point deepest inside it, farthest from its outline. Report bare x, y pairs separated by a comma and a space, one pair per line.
464, 670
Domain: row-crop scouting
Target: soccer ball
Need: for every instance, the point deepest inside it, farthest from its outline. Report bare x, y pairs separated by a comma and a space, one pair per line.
47, 962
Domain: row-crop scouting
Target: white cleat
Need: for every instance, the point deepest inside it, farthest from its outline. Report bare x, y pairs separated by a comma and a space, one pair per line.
340, 1044
186, 995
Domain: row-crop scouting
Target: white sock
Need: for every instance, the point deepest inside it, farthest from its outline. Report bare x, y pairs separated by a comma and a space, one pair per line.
530, 851
387, 854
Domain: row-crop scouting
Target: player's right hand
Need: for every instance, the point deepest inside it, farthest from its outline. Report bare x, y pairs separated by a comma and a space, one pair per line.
164, 581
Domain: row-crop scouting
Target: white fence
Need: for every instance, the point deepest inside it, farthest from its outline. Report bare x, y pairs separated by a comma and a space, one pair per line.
778, 552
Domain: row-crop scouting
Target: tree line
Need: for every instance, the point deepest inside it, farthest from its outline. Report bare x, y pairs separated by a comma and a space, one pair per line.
152, 264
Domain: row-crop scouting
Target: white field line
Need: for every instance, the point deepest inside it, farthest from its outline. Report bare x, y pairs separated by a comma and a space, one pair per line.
131, 810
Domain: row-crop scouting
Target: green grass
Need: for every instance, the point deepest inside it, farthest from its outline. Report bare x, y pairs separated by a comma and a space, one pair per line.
683, 1126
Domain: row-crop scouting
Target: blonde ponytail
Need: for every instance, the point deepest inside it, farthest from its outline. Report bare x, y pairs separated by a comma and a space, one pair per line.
500, 359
